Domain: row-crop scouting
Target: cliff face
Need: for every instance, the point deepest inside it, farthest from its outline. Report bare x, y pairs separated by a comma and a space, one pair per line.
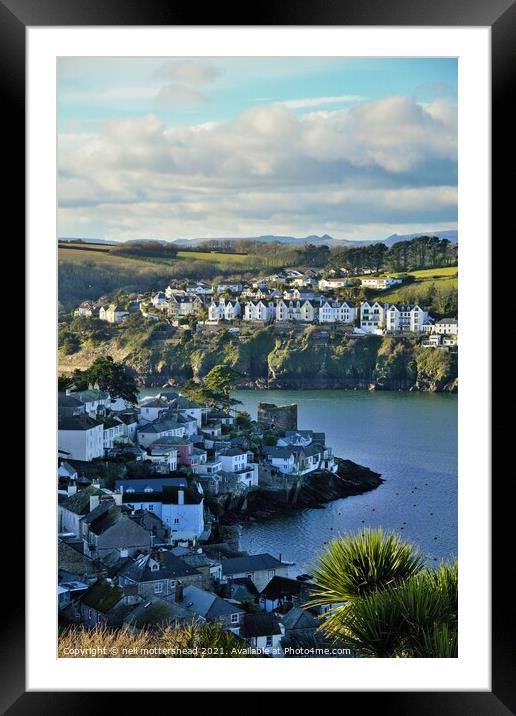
312, 491
316, 358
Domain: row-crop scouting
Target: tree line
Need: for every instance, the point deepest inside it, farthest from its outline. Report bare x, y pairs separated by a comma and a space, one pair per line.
419, 253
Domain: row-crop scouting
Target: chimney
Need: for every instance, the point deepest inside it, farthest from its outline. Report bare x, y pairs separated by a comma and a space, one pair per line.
179, 592
94, 501
180, 497
72, 489
118, 498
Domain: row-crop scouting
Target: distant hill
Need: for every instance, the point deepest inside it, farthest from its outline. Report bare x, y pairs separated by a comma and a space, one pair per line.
450, 234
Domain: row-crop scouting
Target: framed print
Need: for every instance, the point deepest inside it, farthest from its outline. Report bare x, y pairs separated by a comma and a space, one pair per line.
243, 252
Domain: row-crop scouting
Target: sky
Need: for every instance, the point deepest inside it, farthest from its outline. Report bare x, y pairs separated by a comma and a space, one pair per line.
169, 148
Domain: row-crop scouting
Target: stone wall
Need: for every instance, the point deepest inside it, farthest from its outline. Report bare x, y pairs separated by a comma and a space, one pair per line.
282, 417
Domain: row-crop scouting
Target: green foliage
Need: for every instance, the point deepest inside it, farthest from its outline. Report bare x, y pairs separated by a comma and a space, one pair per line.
358, 564
110, 376
152, 249
387, 604
437, 366
243, 419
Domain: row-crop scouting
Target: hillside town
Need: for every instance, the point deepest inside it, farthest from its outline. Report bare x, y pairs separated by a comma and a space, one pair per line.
286, 298
141, 550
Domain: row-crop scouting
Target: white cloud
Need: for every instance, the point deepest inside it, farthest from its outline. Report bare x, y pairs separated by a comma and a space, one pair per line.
193, 72
319, 101
390, 162
173, 95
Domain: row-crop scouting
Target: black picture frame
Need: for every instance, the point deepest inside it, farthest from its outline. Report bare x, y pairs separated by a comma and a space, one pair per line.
500, 16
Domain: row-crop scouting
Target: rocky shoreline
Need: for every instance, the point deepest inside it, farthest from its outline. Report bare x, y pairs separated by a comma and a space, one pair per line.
309, 492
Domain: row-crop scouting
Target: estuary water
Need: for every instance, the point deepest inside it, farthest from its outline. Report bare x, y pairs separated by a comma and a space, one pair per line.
410, 438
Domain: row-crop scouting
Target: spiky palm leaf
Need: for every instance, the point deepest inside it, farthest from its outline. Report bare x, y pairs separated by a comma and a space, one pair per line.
355, 565
413, 618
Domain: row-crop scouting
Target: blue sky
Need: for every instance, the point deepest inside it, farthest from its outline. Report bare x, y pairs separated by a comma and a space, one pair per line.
183, 147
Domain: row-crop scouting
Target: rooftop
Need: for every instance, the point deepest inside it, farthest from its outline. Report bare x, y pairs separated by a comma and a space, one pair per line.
250, 563
102, 597
169, 567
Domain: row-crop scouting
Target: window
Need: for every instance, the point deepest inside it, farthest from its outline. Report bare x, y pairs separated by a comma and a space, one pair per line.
158, 587
150, 508
90, 613
176, 520
272, 572
268, 641
234, 618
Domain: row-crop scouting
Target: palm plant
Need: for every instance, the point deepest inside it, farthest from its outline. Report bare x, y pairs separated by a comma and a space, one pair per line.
358, 564
386, 604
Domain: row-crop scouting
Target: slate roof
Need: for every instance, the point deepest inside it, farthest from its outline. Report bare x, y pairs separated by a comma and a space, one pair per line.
280, 587
278, 452
206, 604
102, 597
86, 396
241, 589
250, 563
171, 567
79, 503
155, 483
106, 519
230, 452
260, 625
159, 426
298, 618
156, 612
168, 496
77, 422
75, 562
68, 401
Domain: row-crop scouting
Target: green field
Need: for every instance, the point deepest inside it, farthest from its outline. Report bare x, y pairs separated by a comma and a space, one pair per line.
78, 253
213, 257
441, 277
104, 258
443, 272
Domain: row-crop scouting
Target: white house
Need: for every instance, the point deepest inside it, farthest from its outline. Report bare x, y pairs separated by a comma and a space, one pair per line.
337, 312
85, 310
380, 282
240, 462
185, 305
159, 300
264, 633
259, 311
95, 400
230, 287
405, 318
372, 317
227, 310
113, 313
81, 437
332, 283
152, 408
161, 454
114, 431
151, 432
309, 311
181, 510
446, 327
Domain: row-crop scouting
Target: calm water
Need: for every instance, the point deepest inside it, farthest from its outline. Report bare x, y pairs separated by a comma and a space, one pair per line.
410, 438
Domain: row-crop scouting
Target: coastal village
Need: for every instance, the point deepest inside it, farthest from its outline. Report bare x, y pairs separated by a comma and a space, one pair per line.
147, 550
284, 298
151, 494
